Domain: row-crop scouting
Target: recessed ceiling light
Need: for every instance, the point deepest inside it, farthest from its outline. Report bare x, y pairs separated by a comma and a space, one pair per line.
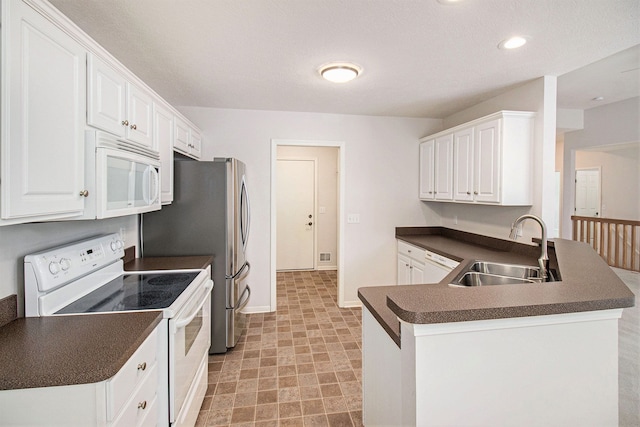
340, 72
598, 98
512, 43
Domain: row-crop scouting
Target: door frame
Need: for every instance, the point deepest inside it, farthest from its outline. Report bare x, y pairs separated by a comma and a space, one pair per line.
341, 203
315, 202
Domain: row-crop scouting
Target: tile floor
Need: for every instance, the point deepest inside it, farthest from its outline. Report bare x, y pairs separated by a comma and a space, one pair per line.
300, 366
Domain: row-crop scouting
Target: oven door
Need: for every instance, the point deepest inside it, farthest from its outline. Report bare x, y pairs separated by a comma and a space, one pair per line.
189, 341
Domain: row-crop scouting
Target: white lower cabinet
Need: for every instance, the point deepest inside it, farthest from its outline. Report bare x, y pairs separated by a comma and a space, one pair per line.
128, 399
411, 264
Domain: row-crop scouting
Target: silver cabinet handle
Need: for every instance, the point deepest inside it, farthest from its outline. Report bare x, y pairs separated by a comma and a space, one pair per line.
84, 193
142, 366
142, 405
125, 123
134, 127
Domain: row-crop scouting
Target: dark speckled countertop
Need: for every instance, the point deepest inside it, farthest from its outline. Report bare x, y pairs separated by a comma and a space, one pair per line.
66, 350
587, 283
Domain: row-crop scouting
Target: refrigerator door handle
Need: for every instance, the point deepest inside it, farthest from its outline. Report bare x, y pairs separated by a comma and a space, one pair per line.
244, 222
237, 273
241, 304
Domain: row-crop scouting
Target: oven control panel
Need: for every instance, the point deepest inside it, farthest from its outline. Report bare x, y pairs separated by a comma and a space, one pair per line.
57, 266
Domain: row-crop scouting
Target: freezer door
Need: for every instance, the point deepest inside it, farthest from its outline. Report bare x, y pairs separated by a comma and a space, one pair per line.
238, 294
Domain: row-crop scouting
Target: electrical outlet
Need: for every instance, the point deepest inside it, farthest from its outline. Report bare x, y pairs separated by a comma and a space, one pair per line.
353, 218
322, 210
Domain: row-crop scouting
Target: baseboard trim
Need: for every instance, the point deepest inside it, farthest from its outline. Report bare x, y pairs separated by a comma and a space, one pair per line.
327, 267
257, 309
352, 304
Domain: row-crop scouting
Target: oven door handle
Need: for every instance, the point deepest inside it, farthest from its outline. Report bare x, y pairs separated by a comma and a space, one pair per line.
184, 322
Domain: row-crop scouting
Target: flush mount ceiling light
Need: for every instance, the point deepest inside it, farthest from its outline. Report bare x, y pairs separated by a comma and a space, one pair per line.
598, 98
340, 72
449, 1
512, 43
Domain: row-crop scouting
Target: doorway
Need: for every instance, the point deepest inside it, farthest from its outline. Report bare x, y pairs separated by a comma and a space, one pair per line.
295, 211
291, 160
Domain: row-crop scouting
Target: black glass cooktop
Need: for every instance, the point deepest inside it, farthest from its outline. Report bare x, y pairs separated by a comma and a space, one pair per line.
133, 292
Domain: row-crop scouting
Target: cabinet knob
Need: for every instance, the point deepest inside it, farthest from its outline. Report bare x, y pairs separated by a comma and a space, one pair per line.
475, 192
310, 224
125, 123
142, 366
84, 193
430, 192
142, 405
468, 192
134, 127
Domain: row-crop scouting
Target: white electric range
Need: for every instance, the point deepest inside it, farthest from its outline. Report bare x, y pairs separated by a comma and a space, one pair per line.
88, 277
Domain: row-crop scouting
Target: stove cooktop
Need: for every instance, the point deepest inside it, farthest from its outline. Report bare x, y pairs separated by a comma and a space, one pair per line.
133, 292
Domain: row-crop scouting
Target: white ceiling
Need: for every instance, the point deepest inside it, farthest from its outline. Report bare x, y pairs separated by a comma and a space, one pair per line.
420, 58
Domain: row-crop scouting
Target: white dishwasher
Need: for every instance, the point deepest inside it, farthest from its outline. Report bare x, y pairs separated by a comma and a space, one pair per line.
436, 267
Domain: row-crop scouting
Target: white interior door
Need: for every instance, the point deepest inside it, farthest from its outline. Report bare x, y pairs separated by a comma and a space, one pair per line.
588, 192
295, 212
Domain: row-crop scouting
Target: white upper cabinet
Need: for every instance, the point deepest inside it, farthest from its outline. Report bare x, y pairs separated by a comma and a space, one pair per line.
43, 118
443, 170
116, 105
163, 139
187, 139
427, 169
491, 161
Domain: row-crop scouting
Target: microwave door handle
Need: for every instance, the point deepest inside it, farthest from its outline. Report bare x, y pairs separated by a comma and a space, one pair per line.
154, 184
146, 185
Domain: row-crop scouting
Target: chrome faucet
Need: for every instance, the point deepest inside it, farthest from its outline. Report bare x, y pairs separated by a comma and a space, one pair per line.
543, 261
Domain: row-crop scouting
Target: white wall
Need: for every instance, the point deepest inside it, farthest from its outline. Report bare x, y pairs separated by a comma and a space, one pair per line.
538, 96
16, 241
381, 176
326, 223
615, 123
619, 180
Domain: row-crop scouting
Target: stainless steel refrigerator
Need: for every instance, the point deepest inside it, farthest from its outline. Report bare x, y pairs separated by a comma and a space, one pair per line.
209, 215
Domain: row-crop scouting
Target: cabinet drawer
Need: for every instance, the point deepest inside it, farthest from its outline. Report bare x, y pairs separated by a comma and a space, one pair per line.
411, 251
136, 370
141, 408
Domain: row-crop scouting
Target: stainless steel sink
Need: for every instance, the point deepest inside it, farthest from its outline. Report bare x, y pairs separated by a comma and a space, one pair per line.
510, 270
473, 278
484, 273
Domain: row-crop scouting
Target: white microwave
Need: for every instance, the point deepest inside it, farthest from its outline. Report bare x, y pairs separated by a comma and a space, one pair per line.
121, 178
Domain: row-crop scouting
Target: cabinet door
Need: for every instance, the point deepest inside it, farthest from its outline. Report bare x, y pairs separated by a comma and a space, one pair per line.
140, 117
443, 156
106, 100
426, 170
487, 162
196, 144
181, 140
417, 272
404, 270
463, 165
163, 140
44, 90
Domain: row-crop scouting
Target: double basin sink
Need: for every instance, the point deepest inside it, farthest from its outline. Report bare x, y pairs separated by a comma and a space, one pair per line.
483, 273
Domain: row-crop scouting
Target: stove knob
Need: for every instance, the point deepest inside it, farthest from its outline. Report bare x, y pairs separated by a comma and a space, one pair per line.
114, 246
65, 264
54, 267
120, 244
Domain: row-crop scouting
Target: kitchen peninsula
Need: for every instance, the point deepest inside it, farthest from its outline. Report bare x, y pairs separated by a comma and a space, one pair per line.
517, 354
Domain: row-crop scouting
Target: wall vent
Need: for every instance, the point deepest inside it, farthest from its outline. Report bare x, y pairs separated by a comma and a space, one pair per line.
325, 256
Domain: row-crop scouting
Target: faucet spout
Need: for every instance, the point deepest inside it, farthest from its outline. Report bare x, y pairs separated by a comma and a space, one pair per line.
543, 260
